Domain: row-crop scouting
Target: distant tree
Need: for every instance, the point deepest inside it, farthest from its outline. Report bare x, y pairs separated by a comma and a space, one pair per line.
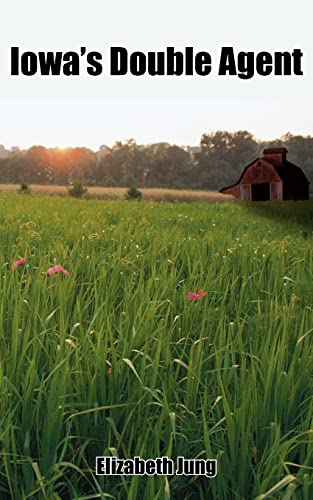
73, 163
168, 166
121, 165
4, 153
222, 156
38, 166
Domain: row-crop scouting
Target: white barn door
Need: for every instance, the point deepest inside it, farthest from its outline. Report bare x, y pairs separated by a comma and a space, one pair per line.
276, 191
245, 192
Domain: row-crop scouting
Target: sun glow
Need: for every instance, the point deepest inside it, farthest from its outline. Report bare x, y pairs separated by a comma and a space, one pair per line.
62, 149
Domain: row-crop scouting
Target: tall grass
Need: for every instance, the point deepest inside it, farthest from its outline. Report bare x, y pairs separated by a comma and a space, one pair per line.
226, 377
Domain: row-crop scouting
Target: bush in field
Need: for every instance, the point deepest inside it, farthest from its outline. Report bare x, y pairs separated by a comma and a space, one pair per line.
24, 189
133, 194
76, 188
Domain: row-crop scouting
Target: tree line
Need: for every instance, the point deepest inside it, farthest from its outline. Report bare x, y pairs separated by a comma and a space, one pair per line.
216, 162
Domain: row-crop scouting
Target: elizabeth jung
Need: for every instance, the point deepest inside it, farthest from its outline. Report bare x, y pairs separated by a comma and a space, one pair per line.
112, 466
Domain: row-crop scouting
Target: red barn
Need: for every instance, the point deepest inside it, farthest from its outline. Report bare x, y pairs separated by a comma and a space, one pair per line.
271, 177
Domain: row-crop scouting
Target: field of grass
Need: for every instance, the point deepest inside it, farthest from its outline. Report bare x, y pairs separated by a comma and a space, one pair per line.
112, 359
118, 193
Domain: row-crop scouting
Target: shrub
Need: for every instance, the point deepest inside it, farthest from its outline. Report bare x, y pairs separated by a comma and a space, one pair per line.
24, 189
76, 188
133, 194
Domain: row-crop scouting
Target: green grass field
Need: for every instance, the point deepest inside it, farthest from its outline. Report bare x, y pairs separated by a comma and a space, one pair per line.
114, 360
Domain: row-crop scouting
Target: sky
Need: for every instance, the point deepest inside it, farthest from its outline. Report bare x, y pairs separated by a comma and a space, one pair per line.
91, 111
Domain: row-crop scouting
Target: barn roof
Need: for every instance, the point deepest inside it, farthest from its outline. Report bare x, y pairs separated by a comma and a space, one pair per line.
289, 171
241, 176
286, 170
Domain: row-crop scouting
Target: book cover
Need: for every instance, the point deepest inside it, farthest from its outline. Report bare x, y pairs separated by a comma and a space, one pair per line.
156, 165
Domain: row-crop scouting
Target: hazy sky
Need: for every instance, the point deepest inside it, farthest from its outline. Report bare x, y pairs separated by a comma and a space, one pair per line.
60, 111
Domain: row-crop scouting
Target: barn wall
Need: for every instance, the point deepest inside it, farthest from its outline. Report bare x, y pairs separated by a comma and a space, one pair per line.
293, 191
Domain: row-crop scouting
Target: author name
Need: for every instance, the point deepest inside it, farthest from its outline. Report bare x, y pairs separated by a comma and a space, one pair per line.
112, 466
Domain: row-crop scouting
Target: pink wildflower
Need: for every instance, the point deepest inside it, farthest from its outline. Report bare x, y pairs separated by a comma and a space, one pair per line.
56, 269
18, 263
196, 296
